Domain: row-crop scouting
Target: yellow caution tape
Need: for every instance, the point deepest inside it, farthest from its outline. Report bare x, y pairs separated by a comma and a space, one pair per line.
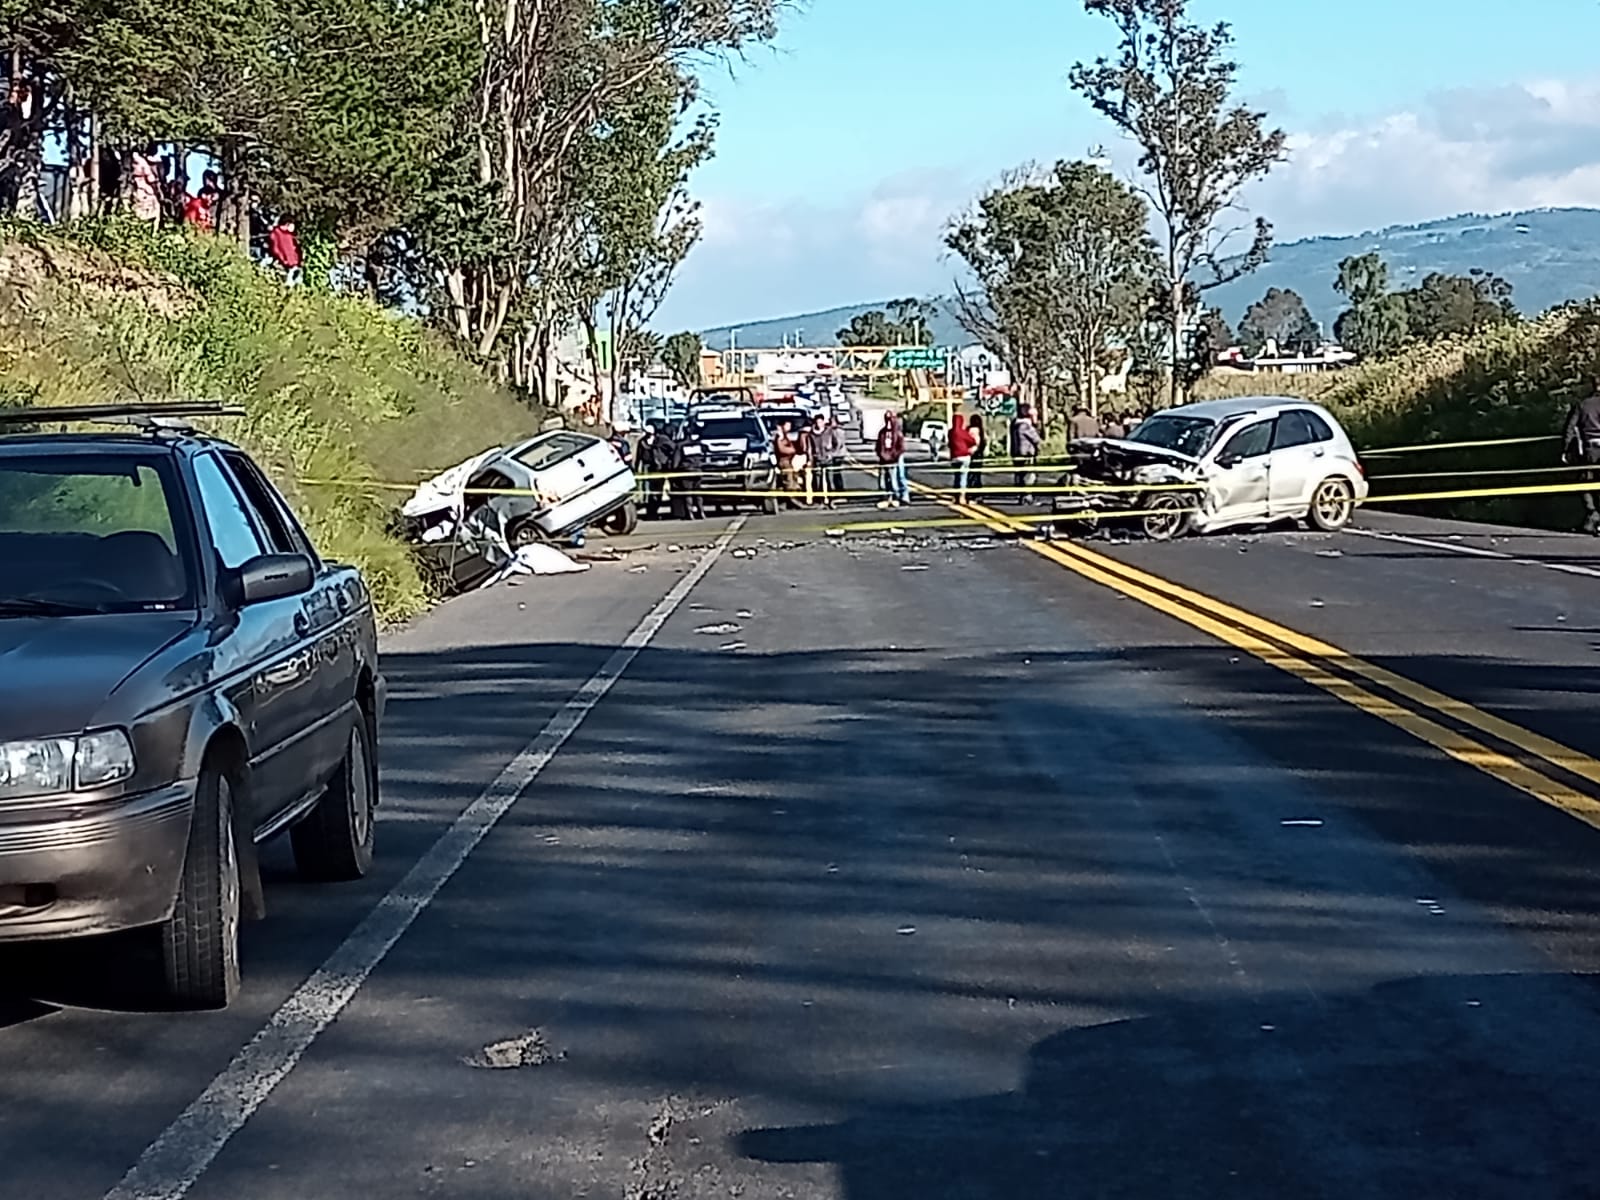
1548, 437
1477, 474
1538, 489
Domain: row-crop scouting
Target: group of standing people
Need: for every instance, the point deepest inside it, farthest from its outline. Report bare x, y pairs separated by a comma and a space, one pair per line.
1109, 424
811, 461
969, 454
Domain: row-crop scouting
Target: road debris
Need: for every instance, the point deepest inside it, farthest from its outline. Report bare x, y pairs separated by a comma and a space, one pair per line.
721, 627
639, 570
915, 567
1330, 553
1319, 604
733, 646
906, 930
1307, 822
744, 614
529, 1050
834, 533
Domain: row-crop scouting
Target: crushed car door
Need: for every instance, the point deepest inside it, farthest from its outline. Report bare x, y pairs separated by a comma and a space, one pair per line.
1239, 480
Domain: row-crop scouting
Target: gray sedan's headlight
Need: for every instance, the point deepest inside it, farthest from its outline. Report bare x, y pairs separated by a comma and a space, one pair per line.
103, 758
41, 766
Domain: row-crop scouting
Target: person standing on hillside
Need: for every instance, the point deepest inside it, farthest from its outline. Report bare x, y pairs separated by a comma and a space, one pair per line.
285, 250
144, 184
201, 210
1581, 445
1025, 443
891, 449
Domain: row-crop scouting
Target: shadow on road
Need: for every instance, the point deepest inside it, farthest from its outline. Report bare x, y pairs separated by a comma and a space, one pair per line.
1440, 1087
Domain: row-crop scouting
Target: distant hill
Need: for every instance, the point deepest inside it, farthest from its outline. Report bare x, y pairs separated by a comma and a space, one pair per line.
822, 328
1549, 255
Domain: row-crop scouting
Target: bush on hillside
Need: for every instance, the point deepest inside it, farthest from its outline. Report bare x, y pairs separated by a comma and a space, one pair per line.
335, 388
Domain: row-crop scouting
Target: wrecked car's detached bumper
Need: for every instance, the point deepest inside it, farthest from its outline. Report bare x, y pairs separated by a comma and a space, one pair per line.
66, 872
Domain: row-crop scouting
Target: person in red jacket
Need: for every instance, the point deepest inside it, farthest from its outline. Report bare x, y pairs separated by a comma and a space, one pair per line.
962, 444
201, 211
891, 448
285, 251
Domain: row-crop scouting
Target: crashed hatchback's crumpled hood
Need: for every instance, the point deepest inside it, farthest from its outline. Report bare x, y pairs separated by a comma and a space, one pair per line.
445, 492
1140, 451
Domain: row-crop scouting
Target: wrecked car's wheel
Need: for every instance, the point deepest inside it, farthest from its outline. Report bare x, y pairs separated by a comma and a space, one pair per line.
1332, 505
624, 521
1166, 516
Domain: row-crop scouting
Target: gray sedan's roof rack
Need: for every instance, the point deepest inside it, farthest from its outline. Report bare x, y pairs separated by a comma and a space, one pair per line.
153, 418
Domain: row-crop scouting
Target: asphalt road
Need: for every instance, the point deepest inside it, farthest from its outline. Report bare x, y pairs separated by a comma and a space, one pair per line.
947, 873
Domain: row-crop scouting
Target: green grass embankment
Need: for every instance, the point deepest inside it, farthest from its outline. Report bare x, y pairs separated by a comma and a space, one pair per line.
334, 387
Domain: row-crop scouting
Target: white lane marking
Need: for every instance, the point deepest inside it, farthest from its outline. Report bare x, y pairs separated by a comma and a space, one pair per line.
1477, 551
177, 1158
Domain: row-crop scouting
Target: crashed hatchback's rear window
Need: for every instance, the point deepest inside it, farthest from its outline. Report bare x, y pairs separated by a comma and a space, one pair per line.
556, 448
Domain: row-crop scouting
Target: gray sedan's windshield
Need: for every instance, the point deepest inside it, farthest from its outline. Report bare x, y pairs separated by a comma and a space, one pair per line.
95, 535
1186, 435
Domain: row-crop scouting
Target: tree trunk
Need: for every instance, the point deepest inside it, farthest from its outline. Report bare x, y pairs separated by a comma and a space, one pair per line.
233, 209
1177, 343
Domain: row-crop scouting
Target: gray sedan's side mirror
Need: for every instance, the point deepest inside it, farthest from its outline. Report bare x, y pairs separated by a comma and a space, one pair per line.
1228, 461
272, 577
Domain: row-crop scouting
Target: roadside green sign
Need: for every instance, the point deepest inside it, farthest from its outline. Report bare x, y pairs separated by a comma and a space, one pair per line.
916, 358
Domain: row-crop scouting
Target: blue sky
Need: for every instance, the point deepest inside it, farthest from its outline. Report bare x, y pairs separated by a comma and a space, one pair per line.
843, 151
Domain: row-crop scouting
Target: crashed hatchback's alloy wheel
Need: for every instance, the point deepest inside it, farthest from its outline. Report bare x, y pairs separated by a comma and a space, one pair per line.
1332, 505
1167, 516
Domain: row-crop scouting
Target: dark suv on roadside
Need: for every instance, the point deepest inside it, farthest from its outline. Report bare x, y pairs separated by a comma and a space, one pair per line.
181, 678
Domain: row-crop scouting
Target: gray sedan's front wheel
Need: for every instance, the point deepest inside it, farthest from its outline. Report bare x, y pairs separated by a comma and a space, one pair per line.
199, 942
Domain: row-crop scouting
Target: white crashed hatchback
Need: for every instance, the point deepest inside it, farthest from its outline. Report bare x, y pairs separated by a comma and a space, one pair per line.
543, 489
1223, 463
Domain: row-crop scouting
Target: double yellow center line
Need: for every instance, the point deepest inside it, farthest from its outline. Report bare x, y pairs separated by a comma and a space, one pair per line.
1402, 703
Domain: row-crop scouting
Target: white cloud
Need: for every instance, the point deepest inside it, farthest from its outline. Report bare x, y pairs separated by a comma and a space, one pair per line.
1527, 145
1489, 149
762, 259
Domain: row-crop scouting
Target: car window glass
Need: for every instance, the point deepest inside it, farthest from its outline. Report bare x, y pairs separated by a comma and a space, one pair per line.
232, 531
1251, 442
1319, 428
104, 532
271, 515
548, 451
1293, 430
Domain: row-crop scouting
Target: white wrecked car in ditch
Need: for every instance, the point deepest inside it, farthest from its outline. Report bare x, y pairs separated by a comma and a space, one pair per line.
1218, 464
542, 490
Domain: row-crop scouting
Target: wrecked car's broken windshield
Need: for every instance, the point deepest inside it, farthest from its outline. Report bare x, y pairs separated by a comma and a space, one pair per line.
92, 535
1186, 435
